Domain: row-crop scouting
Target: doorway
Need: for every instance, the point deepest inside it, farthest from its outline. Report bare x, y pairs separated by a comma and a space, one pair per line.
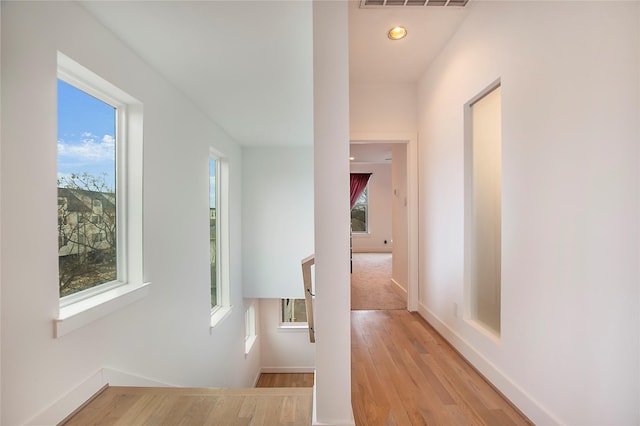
385, 255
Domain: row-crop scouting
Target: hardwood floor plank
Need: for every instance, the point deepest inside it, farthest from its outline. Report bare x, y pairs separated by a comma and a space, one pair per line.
405, 373
248, 407
226, 411
162, 409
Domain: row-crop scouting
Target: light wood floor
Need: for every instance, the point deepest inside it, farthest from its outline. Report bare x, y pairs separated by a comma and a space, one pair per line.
404, 373
285, 380
128, 406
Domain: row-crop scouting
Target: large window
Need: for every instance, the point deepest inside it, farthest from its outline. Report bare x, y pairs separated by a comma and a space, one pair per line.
88, 200
99, 188
360, 213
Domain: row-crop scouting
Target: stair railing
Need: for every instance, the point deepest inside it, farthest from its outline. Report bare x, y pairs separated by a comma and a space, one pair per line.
308, 293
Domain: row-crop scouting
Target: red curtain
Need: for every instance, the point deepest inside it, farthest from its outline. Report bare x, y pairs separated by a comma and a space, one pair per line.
358, 183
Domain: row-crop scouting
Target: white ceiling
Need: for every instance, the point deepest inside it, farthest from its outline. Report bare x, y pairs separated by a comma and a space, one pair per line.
373, 57
248, 64
370, 152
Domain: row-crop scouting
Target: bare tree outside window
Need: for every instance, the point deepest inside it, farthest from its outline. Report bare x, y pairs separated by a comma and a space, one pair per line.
86, 233
87, 211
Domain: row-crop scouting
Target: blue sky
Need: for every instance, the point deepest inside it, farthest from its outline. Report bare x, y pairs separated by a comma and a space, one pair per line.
86, 134
212, 183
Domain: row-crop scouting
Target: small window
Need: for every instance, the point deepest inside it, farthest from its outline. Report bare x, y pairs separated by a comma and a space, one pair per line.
293, 312
249, 328
483, 204
218, 177
360, 213
214, 250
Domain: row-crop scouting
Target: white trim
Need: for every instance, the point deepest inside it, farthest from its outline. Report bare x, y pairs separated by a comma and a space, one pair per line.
218, 315
412, 202
393, 280
69, 402
531, 408
469, 311
285, 370
250, 332
223, 308
218, 208
248, 345
293, 327
83, 392
120, 378
83, 312
83, 308
314, 417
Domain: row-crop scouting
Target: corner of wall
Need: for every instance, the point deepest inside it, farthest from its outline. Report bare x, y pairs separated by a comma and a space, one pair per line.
71, 401
66, 405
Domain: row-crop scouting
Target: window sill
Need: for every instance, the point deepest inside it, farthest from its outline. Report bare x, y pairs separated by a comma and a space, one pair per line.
248, 344
219, 315
294, 327
83, 312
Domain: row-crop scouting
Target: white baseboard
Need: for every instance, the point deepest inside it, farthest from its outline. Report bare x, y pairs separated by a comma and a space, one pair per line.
314, 419
399, 285
120, 378
511, 390
287, 370
69, 402
85, 391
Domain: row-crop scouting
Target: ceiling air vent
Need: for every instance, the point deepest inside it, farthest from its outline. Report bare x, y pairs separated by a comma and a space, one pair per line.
395, 3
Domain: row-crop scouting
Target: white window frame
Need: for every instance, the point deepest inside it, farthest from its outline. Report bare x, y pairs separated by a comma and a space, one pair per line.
250, 335
216, 159
366, 213
81, 308
223, 307
471, 285
290, 324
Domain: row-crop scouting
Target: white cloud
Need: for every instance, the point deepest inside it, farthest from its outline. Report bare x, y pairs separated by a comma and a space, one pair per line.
90, 148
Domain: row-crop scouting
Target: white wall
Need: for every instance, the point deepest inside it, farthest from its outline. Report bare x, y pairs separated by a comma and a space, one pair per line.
166, 336
332, 403
277, 219
379, 219
377, 107
399, 216
283, 349
0, 229
569, 73
638, 121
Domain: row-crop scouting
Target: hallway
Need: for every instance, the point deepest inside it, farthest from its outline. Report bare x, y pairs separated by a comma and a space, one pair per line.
404, 373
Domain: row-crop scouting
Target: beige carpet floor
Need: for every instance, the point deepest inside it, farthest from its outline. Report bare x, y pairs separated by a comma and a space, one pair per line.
371, 285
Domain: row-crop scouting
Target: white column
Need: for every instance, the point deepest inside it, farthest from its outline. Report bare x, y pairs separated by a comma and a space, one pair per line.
331, 187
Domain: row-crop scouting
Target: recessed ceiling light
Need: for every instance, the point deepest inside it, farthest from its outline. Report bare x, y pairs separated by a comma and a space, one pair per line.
352, 158
397, 33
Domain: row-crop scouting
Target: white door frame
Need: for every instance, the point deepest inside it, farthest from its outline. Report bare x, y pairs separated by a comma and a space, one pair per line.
411, 139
